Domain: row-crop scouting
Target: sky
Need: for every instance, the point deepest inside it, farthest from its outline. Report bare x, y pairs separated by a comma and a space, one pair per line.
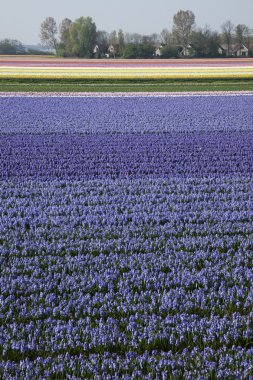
21, 19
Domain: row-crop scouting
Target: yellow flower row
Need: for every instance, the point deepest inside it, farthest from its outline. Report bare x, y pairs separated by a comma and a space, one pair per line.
126, 72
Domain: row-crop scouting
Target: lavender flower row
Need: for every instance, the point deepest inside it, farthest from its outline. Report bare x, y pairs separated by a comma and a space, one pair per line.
92, 115
234, 363
75, 157
126, 237
98, 271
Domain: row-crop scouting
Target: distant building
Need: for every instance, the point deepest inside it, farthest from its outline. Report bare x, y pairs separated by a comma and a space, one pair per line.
240, 51
187, 51
158, 51
236, 50
96, 49
113, 50
222, 50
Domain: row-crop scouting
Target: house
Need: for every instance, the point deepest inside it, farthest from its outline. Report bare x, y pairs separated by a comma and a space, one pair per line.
96, 50
240, 51
158, 51
187, 51
236, 50
222, 50
113, 50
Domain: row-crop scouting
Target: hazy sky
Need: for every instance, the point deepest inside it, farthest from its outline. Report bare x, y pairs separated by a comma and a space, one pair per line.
21, 19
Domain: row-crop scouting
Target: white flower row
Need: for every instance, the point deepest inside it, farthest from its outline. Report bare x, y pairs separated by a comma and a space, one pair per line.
124, 94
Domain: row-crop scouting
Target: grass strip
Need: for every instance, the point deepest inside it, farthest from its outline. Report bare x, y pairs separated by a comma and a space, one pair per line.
123, 85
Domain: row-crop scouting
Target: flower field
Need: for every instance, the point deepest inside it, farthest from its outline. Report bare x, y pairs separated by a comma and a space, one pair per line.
127, 72
12, 67
126, 236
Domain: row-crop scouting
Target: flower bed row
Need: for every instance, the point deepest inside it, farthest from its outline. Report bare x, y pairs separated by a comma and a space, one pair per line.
131, 114
93, 273
126, 237
127, 72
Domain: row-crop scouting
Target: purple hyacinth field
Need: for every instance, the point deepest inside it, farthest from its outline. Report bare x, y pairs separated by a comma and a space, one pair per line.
126, 236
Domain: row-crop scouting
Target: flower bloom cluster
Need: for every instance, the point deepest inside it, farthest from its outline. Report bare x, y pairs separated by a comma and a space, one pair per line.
126, 237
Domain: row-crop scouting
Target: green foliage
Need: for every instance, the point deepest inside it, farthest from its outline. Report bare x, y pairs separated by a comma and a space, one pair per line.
121, 41
61, 50
11, 47
138, 51
64, 47
169, 51
82, 37
146, 51
130, 51
205, 43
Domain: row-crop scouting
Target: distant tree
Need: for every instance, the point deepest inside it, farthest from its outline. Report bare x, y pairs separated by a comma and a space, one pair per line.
146, 51
205, 42
64, 30
83, 37
138, 38
184, 22
102, 42
155, 39
80, 38
146, 40
138, 51
249, 41
128, 38
133, 38
212, 44
6, 47
130, 51
64, 47
169, 51
198, 41
11, 47
241, 34
113, 39
227, 34
165, 36
121, 41
48, 33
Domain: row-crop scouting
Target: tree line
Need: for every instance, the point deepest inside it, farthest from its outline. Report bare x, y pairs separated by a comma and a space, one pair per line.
15, 47
81, 38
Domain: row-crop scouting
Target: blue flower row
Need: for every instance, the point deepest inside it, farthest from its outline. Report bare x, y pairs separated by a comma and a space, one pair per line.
155, 267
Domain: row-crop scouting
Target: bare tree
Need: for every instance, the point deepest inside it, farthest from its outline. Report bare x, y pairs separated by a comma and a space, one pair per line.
133, 38
48, 32
184, 22
113, 39
241, 33
165, 36
227, 34
155, 38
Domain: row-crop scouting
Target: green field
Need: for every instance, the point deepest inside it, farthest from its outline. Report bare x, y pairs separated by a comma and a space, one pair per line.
124, 85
